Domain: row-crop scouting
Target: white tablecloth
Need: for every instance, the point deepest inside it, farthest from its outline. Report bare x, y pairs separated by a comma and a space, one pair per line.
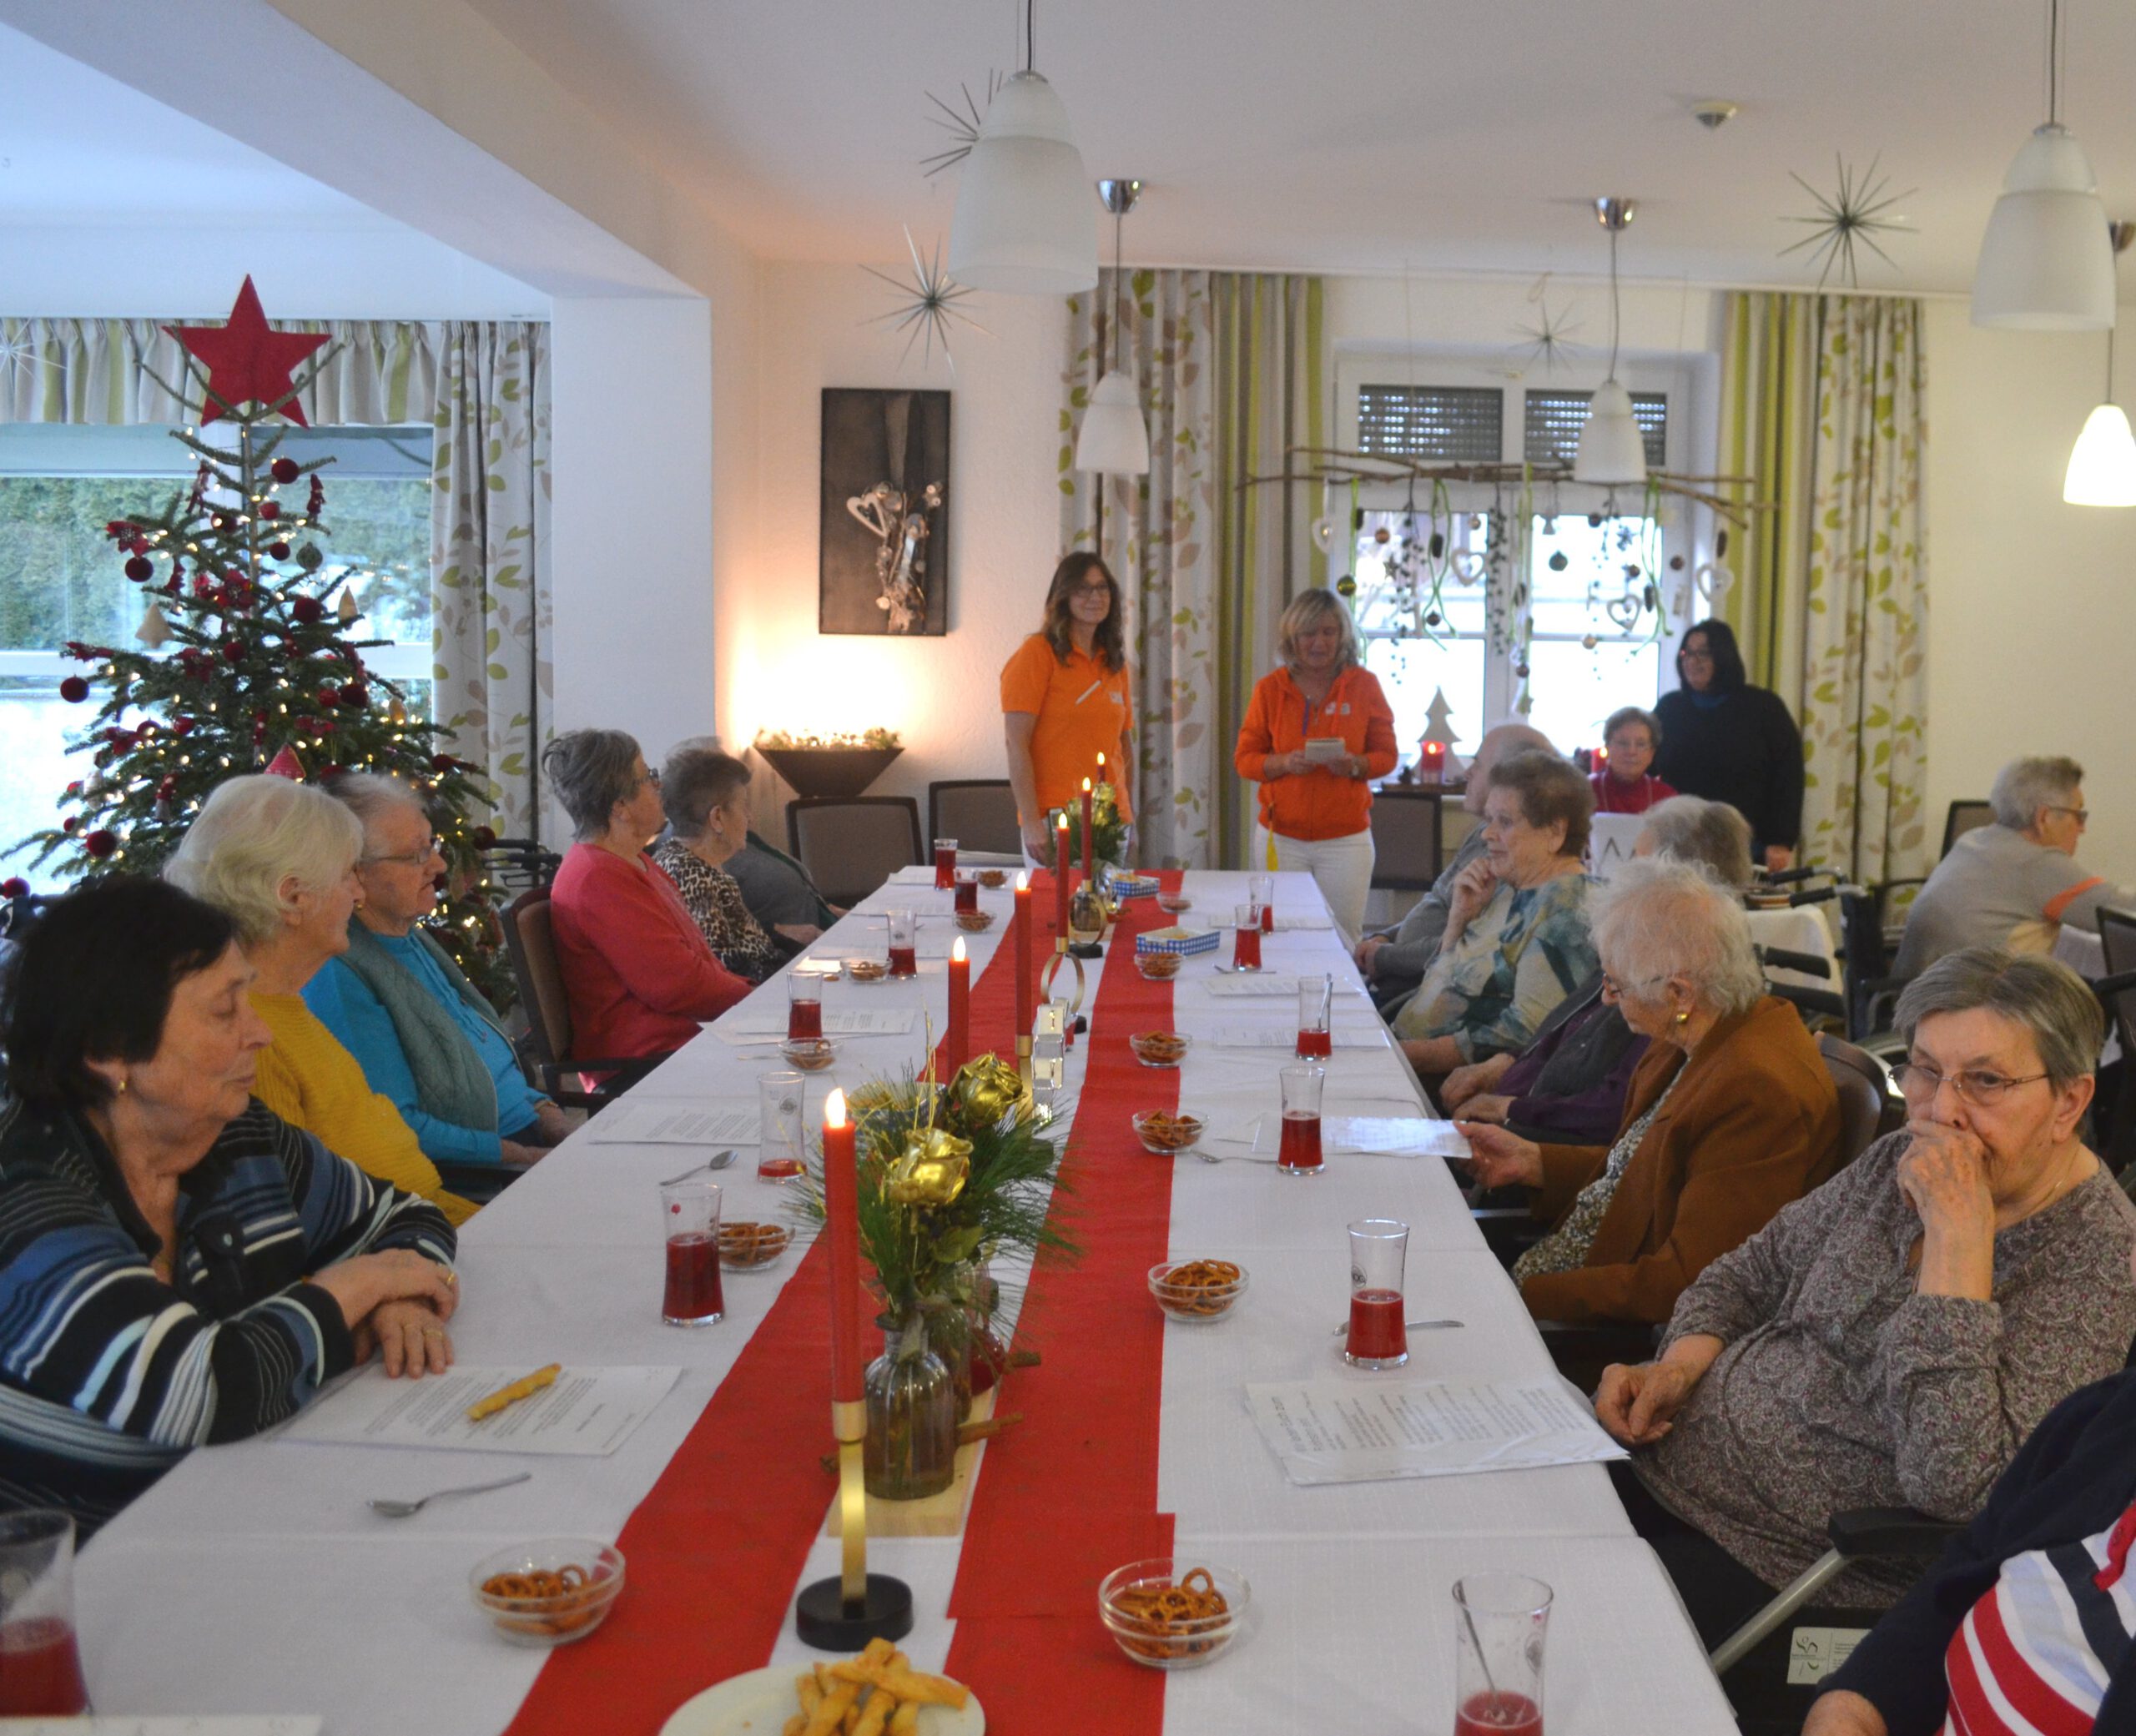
254, 1579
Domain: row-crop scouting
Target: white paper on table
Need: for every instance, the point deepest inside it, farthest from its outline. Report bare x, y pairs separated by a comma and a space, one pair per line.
1249, 984
1344, 1432
1284, 924
587, 1413
930, 945
180, 1726
838, 1022
1348, 1136
1286, 1037
630, 1121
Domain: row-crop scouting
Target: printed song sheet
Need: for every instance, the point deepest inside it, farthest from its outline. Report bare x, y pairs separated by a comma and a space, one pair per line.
1343, 1432
631, 1122
588, 1413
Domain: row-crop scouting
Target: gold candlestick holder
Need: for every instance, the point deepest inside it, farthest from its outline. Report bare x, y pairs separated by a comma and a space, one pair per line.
1062, 955
844, 1613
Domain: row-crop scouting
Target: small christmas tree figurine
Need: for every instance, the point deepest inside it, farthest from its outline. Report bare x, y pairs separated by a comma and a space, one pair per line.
1436, 746
243, 664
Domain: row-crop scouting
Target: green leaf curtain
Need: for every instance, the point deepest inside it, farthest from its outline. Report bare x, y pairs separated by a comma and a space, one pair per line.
1823, 408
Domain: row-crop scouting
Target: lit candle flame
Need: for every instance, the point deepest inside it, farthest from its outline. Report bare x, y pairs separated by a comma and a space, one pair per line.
1022, 879
834, 1108
957, 952
1086, 786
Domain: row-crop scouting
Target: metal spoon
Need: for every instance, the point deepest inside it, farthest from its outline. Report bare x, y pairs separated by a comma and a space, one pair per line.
1414, 1325
408, 1509
717, 1160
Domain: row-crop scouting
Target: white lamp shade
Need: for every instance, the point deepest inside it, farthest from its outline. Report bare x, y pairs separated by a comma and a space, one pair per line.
2103, 463
1114, 438
1026, 223
2046, 263
1611, 451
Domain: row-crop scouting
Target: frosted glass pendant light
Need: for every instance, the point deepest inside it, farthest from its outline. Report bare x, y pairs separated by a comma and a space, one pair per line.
1611, 453
1114, 438
2103, 463
1022, 223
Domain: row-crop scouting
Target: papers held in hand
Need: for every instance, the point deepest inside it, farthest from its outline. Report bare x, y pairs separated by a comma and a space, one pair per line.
1325, 750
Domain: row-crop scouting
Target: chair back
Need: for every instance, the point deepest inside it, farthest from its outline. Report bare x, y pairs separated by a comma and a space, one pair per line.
517, 863
1965, 817
530, 942
1404, 839
2116, 1143
850, 845
979, 812
1868, 1107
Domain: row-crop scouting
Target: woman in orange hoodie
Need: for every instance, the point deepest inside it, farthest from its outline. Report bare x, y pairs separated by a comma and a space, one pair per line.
1317, 732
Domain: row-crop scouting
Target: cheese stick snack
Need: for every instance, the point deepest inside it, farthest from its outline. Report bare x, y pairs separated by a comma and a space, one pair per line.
524, 1387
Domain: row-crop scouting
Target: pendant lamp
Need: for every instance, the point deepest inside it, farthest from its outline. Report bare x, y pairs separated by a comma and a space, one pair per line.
2103, 463
2044, 263
1114, 438
1022, 222
1612, 452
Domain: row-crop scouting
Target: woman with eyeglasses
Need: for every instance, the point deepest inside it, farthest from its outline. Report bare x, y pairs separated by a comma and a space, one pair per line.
1065, 701
1892, 1338
425, 1036
1727, 740
640, 975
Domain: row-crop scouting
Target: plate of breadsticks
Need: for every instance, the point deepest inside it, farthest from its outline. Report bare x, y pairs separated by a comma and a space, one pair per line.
876, 1693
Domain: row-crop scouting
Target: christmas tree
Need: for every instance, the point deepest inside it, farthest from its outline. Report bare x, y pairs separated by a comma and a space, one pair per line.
244, 661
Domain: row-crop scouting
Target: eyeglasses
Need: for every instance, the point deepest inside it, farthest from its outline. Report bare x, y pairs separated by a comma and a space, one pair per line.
1690, 655
1101, 590
2083, 816
1983, 1090
651, 777
411, 859
1618, 988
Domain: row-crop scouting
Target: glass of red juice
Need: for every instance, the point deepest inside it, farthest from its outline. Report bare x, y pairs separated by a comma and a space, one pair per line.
1378, 1249
1316, 1014
780, 1154
804, 1006
945, 863
689, 1214
40, 1664
1299, 1152
904, 943
1246, 939
1501, 1621
968, 895
1263, 889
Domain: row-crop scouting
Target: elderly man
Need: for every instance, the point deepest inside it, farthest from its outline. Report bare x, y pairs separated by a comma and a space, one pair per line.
2015, 882
1395, 959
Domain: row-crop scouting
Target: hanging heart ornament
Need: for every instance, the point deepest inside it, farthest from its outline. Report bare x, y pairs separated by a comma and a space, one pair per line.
1324, 534
1715, 580
1469, 567
1624, 610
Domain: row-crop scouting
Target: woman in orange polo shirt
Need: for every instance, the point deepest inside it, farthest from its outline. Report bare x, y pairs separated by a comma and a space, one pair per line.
1064, 699
1316, 803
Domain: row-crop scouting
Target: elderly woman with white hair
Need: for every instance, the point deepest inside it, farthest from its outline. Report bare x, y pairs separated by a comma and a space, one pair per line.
423, 1033
1731, 1115
2016, 883
1890, 1340
279, 859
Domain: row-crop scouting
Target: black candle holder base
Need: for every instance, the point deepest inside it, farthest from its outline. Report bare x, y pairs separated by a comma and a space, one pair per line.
1087, 950
823, 1619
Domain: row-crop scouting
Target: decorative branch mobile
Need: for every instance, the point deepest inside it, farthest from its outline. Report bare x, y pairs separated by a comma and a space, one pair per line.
1851, 217
930, 304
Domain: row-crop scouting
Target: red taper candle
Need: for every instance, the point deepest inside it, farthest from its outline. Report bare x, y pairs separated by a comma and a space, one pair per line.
956, 1043
1020, 938
1086, 828
842, 1210
1061, 872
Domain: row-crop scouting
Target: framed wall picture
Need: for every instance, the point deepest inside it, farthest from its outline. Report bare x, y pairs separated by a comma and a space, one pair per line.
883, 564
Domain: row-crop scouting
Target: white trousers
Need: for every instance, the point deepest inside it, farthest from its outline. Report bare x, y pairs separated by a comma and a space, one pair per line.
1341, 867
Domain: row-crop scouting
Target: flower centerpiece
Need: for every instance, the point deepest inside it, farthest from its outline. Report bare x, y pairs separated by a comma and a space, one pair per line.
949, 1176
832, 766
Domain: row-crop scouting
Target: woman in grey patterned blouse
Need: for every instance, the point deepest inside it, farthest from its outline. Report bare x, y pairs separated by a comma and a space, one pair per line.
1891, 1338
701, 789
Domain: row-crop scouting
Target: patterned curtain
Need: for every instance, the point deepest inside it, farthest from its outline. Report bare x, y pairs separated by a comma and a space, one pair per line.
1865, 683
1158, 536
491, 609
1768, 352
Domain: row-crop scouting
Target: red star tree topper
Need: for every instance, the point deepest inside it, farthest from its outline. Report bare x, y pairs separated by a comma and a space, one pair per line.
246, 361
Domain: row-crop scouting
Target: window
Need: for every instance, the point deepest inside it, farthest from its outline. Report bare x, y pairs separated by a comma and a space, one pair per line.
60, 578
1551, 422
1451, 424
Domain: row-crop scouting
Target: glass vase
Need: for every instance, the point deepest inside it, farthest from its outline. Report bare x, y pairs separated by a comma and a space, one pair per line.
911, 1451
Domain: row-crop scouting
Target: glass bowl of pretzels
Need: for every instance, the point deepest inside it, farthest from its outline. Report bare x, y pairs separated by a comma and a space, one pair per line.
1172, 1614
1197, 1291
1164, 1135
1160, 1049
748, 1247
548, 1592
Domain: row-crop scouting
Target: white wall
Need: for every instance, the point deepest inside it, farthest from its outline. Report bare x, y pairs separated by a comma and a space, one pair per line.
774, 670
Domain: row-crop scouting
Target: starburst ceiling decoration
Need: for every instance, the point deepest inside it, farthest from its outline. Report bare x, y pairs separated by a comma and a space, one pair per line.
1547, 340
961, 122
932, 295
17, 354
1853, 216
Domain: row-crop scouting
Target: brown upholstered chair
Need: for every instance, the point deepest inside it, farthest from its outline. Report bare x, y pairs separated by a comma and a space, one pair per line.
530, 941
850, 845
979, 812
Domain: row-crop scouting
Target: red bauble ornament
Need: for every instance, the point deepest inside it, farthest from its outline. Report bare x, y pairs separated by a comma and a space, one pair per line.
233, 651
329, 696
74, 788
181, 726
73, 690
14, 887
270, 510
279, 550
140, 569
70, 823
484, 837
246, 361
100, 843
284, 469
355, 696
309, 609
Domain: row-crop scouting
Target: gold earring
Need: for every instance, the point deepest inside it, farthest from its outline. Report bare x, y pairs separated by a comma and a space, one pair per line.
121, 1090
1683, 1018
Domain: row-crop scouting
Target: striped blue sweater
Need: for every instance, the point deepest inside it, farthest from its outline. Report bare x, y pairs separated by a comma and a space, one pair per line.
108, 1375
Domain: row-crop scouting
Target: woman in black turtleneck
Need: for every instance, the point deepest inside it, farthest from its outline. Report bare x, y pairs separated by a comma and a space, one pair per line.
1729, 741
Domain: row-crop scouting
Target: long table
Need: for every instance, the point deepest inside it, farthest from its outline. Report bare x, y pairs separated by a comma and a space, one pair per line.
254, 1579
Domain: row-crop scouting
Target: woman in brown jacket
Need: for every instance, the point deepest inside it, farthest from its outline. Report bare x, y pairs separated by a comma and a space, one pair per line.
1731, 1114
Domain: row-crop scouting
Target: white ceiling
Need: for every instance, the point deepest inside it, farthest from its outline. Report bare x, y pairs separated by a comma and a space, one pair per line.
1364, 135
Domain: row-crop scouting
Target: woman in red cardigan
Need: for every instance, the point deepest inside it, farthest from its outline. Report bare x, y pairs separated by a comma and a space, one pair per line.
635, 966
1624, 785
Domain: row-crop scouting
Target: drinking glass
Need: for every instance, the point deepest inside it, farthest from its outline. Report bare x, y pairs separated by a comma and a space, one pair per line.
1246, 939
967, 887
804, 1006
689, 1214
1378, 1248
1499, 1623
904, 943
1261, 888
781, 1156
40, 1664
1316, 1010
945, 863
1299, 1153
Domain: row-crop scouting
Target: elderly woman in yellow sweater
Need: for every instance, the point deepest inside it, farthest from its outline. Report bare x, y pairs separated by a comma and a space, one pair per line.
278, 858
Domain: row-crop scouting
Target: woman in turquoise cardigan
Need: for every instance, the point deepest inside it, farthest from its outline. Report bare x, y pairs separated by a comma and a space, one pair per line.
425, 1036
